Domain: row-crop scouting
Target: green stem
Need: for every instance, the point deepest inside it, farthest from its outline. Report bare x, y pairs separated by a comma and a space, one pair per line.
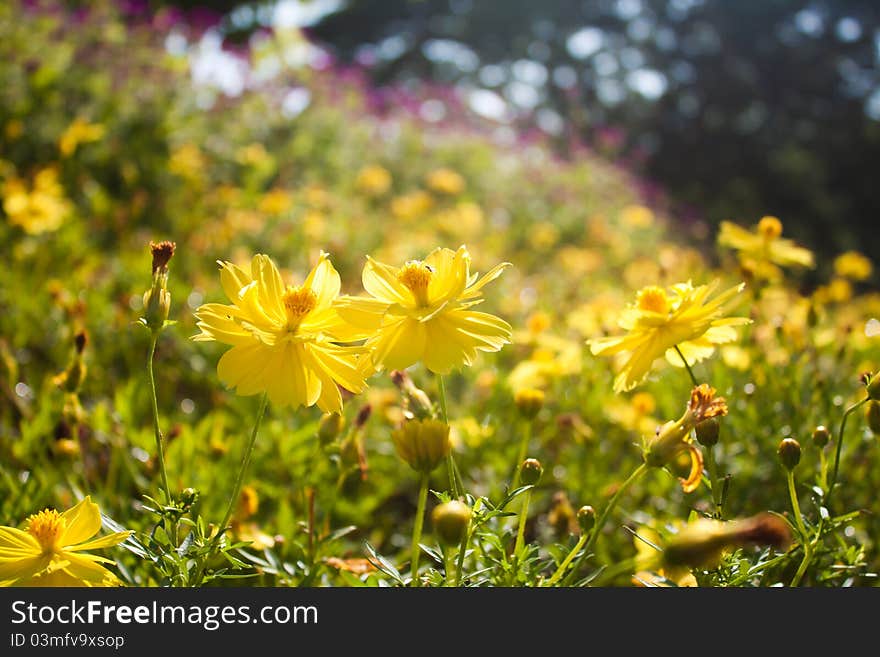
236, 489
555, 577
687, 367
796, 508
462, 552
833, 481
448, 565
603, 517
713, 479
521, 455
160, 450
521, 530
455, 486
417, 530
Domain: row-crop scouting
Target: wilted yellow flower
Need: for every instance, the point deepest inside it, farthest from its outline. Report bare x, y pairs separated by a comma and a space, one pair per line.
79, 132
853, 265
284, 338
673, 438
761, 251
659, 321
421, 312
373, 180
445, 181
40, 209
51, 551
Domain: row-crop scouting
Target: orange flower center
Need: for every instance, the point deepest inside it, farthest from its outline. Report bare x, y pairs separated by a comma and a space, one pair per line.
415, 276
298, 302
653, 299
47, 527
770, 228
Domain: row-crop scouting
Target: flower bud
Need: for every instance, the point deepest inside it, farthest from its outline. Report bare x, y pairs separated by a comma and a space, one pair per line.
66, 447
329, 427
821, 436
415, 399
529, 402
586, 518
530, 472
789, 453
451, 521
188, 497
157, 300
423, 444
872, 415
872, 386
707, 431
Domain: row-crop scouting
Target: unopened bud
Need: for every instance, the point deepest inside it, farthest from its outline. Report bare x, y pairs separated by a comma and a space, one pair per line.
872, 415
423, 444
451, 521
329, 427
161, 252
530, 472
707, 431
821, 436
529, 402
789, 453
415, 399
872, 386
157, 300
586, 518
188, 496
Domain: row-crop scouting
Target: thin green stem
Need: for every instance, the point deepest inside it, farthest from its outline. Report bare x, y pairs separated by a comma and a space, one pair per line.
713, 479
441, 391
236, 489
523, 517
687, 366
833, 481
448, 562
462, 552
796, 508
455, 486
417, 530
160, 449
556, 576
521, 455
603, 517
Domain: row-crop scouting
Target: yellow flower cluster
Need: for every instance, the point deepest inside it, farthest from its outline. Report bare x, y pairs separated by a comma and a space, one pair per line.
40, 207
301, 343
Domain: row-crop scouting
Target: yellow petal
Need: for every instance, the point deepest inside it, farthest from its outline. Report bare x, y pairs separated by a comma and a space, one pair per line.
242, 367
233, 278
270, 286
399, 344
490, 276
380, 281
15, 539
105, 541
364, 313
324, 281
83, 521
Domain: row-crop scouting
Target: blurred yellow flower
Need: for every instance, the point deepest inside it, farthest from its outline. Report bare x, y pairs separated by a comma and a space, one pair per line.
761, 251
421, 312
373, 180
853, 265
659, 321
188, 162
79, 132
445, 181
412, 205
51, 551
40, 209
636, 216
276, 201
284, 338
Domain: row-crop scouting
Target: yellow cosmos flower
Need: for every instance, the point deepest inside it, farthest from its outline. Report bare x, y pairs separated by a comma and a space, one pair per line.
79, 132
659, 321
284, 338
762, 250
51, 550
853, 265
421, 312
37, 208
